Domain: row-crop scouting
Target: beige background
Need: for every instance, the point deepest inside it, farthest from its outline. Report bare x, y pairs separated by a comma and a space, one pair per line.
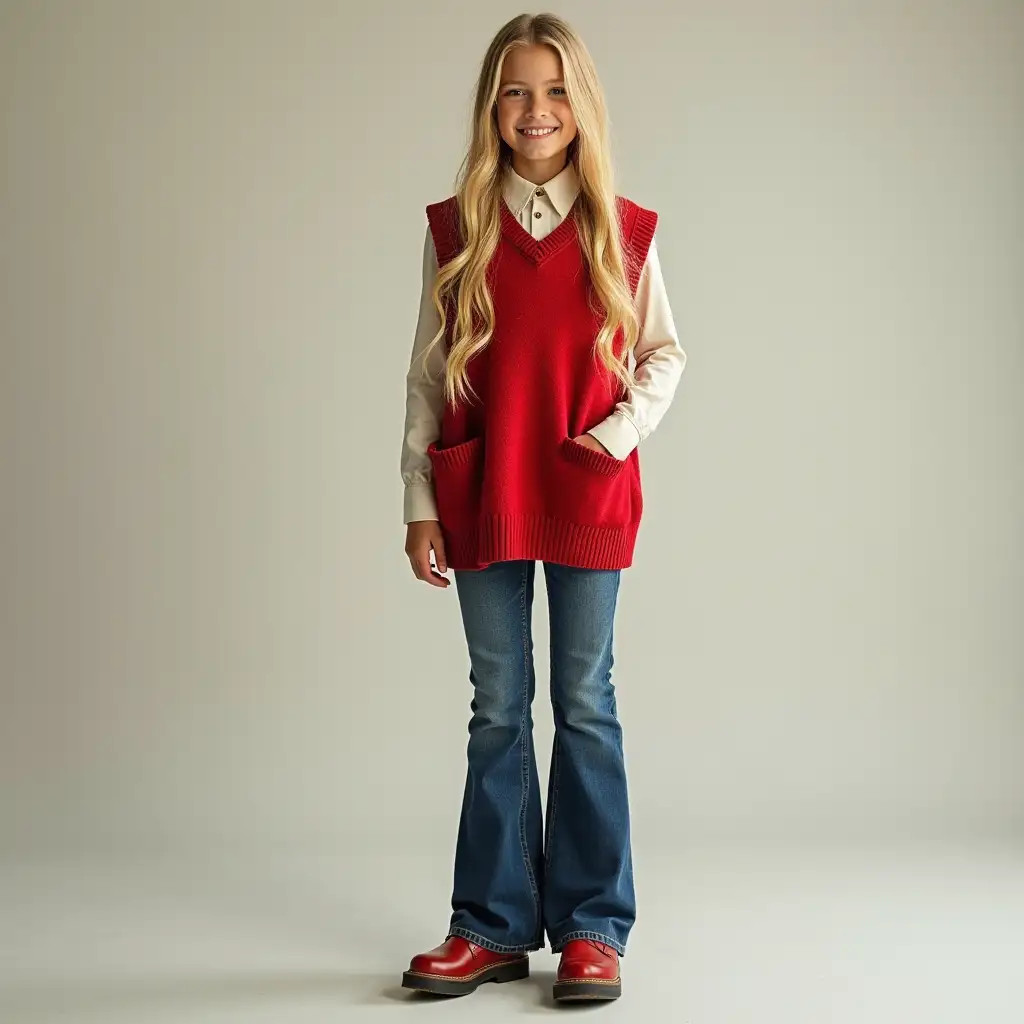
211, 218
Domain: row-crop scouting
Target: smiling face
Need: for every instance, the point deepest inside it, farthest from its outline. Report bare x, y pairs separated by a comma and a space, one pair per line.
534, 115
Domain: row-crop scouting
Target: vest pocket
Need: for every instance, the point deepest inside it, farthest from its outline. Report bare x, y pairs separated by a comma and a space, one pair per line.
595, 488
599, 462
458, 477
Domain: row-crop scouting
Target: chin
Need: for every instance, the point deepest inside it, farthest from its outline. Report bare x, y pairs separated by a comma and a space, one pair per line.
540, 151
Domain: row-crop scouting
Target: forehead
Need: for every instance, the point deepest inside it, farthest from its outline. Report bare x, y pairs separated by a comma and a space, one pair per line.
531, 64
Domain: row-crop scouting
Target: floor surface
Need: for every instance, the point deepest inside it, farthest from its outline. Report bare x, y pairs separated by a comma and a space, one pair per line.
725, 934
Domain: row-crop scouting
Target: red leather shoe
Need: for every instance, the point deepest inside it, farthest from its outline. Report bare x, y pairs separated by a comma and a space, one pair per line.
458, 966
588, 970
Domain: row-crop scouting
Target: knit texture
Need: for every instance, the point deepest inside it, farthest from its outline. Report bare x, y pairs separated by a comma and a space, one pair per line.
509, 480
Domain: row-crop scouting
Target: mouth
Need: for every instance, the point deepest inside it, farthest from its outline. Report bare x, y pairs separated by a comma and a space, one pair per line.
536, 133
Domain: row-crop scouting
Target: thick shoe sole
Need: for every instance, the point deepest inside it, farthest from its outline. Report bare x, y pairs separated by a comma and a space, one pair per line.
581, 991
441, 986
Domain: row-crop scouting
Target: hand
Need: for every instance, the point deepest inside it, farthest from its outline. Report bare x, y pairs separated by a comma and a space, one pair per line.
420, 538
591, 442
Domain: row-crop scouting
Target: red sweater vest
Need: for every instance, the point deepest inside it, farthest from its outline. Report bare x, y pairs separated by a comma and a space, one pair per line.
509, 480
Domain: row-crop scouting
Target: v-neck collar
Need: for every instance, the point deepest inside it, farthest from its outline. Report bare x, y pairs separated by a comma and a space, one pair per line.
538, 250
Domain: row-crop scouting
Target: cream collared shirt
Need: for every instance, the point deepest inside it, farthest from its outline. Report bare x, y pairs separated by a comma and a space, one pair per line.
659, 358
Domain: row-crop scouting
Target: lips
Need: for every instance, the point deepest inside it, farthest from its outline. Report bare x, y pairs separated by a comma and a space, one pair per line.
537, 133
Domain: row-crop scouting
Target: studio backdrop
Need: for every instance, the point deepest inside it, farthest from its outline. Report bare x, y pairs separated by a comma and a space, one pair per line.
211, 227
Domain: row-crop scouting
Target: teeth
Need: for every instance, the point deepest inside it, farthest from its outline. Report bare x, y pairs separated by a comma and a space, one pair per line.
537, 131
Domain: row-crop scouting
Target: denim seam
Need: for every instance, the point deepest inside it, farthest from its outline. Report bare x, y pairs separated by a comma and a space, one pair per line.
494, 947
556, 764
525, 745
557, 944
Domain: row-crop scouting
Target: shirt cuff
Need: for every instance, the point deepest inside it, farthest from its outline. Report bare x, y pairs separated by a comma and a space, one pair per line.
618, 434
419, 503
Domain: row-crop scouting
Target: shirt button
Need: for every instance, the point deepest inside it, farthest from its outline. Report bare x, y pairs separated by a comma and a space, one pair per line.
537, 214
539, 192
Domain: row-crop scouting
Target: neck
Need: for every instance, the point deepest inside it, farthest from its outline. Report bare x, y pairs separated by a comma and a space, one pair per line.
539, 171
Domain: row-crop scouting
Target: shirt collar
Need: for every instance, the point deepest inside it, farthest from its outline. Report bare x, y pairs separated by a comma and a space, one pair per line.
562, 190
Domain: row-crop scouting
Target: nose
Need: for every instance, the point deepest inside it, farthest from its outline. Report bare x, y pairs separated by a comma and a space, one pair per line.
539, 107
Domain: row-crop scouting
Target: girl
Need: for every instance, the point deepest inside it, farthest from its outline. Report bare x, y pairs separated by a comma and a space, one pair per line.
545, 352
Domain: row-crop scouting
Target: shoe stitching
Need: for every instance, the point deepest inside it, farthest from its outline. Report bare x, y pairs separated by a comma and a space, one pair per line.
467, 977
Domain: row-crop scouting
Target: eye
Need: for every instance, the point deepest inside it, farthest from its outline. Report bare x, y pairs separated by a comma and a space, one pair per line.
559, 90
513, 92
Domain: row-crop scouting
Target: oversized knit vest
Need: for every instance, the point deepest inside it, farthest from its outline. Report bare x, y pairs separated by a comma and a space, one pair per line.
509, 480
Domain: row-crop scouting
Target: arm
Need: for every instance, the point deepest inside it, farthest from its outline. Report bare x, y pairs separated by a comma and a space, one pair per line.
660, 361
424, 402
424, 406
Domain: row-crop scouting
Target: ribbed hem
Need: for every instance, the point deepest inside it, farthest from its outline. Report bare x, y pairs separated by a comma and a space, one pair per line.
600, 462
643, 231
443, 218
457, 456
638, 225
502, 538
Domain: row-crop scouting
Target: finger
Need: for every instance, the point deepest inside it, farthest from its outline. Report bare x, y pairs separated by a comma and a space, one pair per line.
439, 555
425, 571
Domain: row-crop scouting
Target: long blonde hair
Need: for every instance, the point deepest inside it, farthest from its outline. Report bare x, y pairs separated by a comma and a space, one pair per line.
461, 284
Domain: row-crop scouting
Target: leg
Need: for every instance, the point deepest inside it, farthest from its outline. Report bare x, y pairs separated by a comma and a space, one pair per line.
498, 858
588, 892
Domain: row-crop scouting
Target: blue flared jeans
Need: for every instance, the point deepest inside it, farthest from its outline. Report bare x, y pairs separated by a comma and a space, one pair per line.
517, 876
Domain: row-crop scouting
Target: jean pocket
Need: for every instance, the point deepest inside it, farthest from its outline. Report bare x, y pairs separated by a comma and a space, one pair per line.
458, 477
